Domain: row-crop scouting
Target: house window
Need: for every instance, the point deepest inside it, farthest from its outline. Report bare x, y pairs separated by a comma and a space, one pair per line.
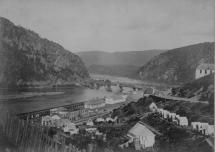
205, 71
200, 71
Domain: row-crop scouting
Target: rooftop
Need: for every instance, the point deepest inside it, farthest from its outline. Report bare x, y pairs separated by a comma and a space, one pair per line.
95, 101
140, 129
205, 66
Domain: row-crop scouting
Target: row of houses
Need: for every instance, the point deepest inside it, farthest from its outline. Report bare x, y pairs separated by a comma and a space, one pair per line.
203, 128
181, 121
108, 119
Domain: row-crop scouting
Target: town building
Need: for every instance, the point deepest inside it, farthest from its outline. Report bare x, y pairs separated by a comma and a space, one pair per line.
143, 135
115, 99
127, 90
135, 96
203, 70
96, 103
90, 123
47, 121
148, 91
70, 127
91, 130
75, 115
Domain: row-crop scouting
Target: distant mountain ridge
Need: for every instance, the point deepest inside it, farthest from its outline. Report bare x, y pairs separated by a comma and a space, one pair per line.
178, 65
135, 58
115, 70
123, 64
29, 60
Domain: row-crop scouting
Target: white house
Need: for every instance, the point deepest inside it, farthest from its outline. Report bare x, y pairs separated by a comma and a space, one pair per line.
143, 134
100, 120
203, 70
166, 114
210, 130
153, 107
183, 121
196, 125
90, 123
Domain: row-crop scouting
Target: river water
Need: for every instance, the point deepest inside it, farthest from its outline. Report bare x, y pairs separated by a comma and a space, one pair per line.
30, 99
36, 99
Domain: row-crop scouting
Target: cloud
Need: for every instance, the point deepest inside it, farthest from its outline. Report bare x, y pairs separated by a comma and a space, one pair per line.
115, 25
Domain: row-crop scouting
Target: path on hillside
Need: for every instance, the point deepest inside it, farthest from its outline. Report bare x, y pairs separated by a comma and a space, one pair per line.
179, 99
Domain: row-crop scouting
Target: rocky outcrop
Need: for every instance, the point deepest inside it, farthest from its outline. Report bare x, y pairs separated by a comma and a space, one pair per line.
177, 65
29, 60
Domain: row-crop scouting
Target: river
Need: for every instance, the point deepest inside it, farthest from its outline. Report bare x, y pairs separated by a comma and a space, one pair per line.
41, 98
30, 99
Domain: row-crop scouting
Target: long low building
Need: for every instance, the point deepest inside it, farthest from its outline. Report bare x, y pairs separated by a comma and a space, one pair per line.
115, 99
96, 103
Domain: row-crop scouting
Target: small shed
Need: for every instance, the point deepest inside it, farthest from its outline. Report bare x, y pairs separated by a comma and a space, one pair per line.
183, 121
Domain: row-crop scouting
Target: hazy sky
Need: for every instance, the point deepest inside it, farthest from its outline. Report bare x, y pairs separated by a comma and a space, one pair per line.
115, 25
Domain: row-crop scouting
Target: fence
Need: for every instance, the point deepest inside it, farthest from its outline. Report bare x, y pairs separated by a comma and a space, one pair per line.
30, 137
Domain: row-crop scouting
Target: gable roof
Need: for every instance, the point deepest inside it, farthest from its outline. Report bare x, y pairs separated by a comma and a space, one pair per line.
140, 130
55, 117
149, 90
205, 66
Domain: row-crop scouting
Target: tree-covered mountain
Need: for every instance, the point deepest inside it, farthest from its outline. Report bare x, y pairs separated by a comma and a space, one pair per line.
29, 60
177, 65
117, 63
